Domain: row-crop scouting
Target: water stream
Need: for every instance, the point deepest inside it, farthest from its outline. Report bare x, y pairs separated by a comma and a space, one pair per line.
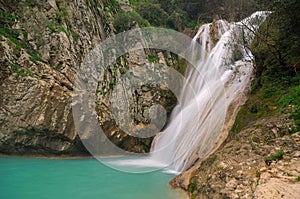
210, 98
222, 74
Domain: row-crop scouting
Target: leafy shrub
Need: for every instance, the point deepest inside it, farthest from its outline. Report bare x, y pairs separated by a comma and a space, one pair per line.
293, 99
254, 109
124, 21
7, 19
123, 70
275, 157
192, 187
153, 13
178, 20
153, 58
19, 71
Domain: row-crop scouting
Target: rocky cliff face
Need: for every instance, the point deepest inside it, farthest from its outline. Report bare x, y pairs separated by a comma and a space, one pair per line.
262, 161
42, 45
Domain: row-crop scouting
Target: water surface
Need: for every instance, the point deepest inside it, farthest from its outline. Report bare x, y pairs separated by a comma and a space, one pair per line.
30, 178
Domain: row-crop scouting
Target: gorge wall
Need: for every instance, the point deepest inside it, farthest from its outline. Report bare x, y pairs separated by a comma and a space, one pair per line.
42, 45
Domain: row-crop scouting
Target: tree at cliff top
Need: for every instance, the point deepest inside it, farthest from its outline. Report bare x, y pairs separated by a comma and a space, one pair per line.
276, 49
182, 14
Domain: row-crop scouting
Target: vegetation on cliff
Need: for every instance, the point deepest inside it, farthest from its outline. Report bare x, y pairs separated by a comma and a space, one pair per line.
188, 14
277, 71
42, 46
260, 157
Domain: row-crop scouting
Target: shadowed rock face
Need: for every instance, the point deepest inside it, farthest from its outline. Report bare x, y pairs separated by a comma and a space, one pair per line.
42, 45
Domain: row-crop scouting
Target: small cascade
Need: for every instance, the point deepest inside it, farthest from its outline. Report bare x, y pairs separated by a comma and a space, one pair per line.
222, 74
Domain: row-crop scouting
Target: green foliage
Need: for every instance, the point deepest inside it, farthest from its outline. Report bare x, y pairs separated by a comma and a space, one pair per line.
287, 20
293, 98
98, 106
62, 14
166, 13
277, 54
19, 71
153, 58
182, 14
136, 2
124, 21
271, 98
98, 91
56, 26
113, 5
61, 23
254, 108
30, 3
36, 58
112, 84
277, 47
12, 35
192, 187
275, 157
178, 20
181, 65
123, 70
194, 195
297, 179
7, 20
110, 10
153, 13
61, 4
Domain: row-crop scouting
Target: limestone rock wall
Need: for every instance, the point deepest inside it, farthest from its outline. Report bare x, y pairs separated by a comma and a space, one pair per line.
261, 161
42, 43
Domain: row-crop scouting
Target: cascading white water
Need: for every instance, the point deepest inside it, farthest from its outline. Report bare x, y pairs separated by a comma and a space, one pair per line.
209, 99
222, 74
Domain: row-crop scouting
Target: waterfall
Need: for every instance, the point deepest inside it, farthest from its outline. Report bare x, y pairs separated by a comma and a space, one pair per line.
222, 74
